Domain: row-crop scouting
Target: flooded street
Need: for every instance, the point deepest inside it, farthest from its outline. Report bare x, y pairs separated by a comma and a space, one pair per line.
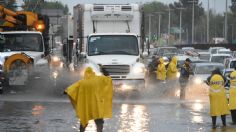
48, 110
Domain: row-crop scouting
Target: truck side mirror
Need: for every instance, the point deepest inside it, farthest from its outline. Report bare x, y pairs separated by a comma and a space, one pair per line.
145, 54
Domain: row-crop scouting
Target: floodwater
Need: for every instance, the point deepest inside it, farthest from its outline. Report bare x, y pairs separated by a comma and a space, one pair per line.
43, 108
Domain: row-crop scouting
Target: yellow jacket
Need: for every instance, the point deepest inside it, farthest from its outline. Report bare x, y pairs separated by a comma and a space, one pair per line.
232, 91
91, 97
172, 69
161, 70
217, 95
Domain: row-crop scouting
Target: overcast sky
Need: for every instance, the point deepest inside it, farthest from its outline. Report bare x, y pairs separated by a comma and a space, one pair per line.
219, 4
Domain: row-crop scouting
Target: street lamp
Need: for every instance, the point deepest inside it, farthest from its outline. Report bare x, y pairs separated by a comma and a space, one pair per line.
208, 21
159, 23
226, 19
194, 1
149, 26
180, 24
169, 10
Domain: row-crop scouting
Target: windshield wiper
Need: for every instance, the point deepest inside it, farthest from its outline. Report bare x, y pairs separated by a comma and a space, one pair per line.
97, 53
121, 52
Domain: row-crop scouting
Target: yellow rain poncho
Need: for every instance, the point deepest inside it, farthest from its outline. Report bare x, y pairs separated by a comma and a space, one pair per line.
172, 69
161, 70
232, 91
91, 97
217, 95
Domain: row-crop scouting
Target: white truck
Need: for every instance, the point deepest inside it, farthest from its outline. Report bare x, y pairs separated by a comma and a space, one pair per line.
21, 53
111, 36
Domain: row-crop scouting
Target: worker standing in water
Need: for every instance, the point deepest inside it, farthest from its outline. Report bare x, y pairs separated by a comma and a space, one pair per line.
91, 98
218, 100
172, 70
185, 72
161, 71
232, 95
171, 77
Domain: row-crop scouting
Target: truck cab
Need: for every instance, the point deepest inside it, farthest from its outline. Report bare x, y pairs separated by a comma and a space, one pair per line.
119, 55
111, 37
21, 52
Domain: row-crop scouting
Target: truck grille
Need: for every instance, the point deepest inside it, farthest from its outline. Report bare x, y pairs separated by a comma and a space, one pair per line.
98, 8
126, 8
117, 69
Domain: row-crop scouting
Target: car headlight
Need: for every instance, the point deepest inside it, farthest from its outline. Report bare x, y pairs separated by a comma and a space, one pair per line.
178, 74
198, 80
139, 69
55, 59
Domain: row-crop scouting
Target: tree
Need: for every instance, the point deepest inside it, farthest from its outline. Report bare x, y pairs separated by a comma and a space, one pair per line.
187, 14
152, 8
37, 5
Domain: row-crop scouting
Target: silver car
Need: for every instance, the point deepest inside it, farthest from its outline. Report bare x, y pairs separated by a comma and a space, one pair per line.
203, 70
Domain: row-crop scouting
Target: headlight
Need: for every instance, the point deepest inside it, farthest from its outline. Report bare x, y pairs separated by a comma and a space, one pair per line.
55, 59
178, 74
139, 69
198, 80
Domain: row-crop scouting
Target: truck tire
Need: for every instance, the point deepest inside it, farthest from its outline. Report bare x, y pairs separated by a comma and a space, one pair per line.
15, 60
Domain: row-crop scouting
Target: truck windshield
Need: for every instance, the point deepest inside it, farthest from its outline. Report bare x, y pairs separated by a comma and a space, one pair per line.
21, 42
113, 44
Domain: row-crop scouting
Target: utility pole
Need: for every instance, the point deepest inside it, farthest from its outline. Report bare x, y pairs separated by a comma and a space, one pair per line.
180, 24
226, 20
194, 1
208, 20
169, 10
159, 24
149, 26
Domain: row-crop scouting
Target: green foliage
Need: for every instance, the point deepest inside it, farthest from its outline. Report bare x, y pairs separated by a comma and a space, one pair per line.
37, 5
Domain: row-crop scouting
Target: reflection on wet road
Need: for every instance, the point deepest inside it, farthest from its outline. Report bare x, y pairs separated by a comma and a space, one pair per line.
127, 117
47, 110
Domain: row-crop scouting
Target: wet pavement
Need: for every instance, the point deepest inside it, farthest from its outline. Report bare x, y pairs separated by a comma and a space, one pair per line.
43, 108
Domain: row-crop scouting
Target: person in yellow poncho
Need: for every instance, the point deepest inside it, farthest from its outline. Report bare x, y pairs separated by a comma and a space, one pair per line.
232, 95
218, 100
161, 70
91, 98
172, 69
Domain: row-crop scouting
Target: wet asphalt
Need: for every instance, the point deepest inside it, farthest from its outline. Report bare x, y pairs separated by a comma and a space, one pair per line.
42, 107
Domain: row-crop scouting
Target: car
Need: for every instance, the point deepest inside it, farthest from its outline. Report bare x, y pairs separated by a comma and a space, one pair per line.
167, 51
234, 54
182, 58
203, 70
230, 63
219, 57
224, 51
214, 50
204, 55
226, 73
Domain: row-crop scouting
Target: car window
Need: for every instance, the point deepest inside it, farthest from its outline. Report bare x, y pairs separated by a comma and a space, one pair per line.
204, 69
232, 64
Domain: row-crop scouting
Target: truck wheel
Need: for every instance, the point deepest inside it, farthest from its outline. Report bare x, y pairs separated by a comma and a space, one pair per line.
1, 91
